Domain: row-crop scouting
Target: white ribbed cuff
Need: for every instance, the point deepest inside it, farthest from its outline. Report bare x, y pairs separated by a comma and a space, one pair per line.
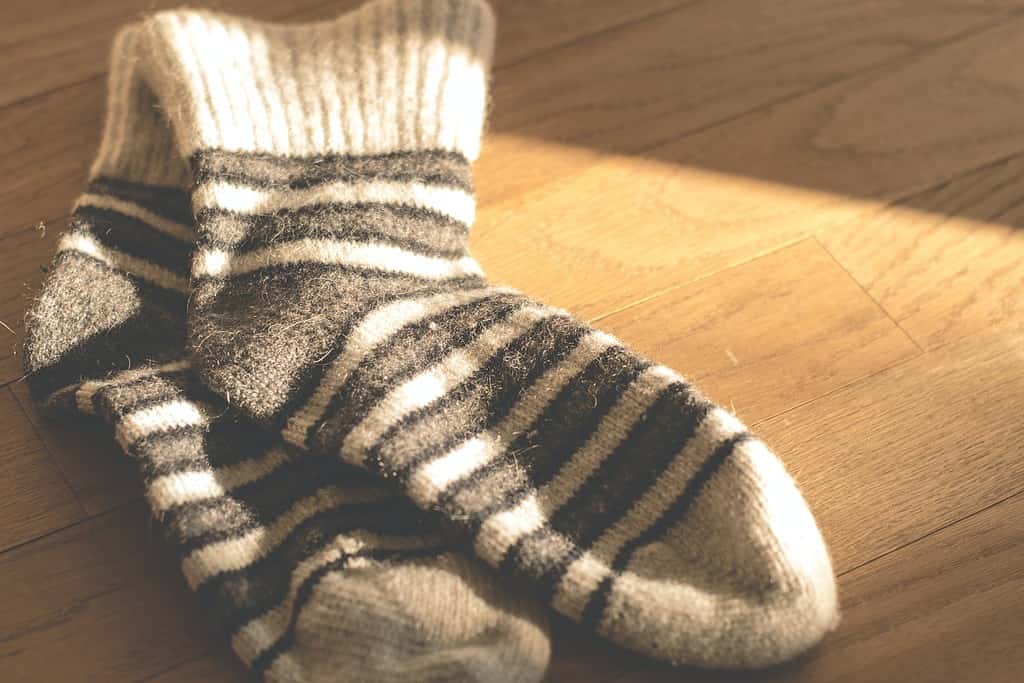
392, 75
137, 143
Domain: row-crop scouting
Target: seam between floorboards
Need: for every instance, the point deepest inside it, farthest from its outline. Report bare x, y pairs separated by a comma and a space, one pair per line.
179, 664
657, 294
87, 518
928, 534
834, 390
874, 373
876, 302
46, 449
544, 51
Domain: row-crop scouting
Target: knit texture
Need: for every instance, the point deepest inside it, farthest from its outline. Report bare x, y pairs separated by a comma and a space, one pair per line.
395, 74
315, 571
335, 300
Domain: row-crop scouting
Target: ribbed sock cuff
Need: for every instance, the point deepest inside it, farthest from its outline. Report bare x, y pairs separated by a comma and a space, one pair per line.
392, 75
137, 143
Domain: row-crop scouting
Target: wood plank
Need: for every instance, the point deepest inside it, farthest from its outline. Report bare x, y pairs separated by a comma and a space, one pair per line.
767, 335
34, 498
885, 133
100, 601
948, 261
95, 468
911, 449
700, 65
949, 607
527, 29
625, 226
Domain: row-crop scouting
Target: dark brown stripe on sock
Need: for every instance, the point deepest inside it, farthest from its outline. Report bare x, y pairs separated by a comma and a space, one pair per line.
633, 466
410, 228
269, 170
618, 483
564, 426
171, 203
570, 419
262, 585
594, 611
134, 238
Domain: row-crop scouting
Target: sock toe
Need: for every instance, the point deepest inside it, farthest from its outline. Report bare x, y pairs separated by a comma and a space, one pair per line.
743, 581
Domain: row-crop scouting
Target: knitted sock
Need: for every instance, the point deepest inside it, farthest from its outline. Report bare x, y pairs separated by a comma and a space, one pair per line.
316, 572
335, 299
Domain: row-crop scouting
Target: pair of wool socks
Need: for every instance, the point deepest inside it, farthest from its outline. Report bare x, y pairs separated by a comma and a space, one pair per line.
315, 571
333, 303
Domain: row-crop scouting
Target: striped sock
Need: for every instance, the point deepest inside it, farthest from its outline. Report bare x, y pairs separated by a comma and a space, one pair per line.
315, 572
335, 300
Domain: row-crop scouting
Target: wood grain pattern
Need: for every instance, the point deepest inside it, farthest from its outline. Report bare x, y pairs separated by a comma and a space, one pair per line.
34, 498
651, 82
884, 133
946, 261
98, 472
787, 166
624, 228
811, 208
762, 337
912, 448
100, 601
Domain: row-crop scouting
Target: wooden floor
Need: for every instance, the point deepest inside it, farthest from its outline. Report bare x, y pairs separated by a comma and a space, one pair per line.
813, 208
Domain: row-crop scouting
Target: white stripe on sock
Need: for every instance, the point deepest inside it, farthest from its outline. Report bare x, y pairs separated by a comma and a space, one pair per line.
584, 575
432, 384
171, 228
136, 267
376, 328
187, 487
499, 532
428, 481
454, 203
162, 417
385, 257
